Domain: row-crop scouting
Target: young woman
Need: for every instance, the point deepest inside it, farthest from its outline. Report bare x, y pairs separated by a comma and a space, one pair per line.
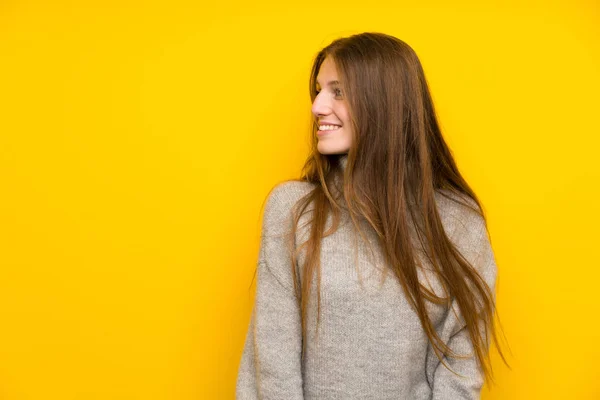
376, 274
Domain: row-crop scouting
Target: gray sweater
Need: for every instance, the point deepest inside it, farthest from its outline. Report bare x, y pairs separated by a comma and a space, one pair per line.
371, 344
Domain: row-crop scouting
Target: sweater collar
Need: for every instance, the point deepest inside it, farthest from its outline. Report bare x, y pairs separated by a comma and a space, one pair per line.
343, 161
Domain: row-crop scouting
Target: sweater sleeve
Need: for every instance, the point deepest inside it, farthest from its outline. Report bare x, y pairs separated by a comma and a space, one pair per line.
270, 366
445, 384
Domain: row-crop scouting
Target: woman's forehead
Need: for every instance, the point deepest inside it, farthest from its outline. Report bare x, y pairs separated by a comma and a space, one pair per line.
327, 75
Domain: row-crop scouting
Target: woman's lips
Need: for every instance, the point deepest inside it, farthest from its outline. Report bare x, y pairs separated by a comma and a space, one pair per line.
323, 133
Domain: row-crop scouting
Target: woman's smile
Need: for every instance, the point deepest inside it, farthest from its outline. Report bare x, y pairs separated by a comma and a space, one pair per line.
325, 132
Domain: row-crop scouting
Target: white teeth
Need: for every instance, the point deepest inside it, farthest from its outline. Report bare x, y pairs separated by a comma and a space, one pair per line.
328, 127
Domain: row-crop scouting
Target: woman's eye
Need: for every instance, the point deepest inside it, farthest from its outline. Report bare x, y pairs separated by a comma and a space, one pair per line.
337, 91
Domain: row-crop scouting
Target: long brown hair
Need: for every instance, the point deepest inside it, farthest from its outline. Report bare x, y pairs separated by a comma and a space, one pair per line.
397, 160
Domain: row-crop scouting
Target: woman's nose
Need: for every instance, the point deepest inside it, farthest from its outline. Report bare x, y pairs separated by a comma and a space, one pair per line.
320, 107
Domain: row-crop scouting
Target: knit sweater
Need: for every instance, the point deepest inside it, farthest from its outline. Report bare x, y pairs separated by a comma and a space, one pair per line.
371, 344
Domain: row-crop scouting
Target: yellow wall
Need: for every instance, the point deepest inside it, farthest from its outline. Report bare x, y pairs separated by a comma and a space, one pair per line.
138, 140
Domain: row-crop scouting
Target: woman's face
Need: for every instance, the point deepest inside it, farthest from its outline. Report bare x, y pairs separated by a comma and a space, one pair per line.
330, 108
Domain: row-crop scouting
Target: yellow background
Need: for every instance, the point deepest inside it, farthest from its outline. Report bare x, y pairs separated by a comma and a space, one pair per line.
138, 141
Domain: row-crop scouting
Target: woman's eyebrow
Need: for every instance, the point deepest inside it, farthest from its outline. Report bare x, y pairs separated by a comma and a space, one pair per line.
330, 83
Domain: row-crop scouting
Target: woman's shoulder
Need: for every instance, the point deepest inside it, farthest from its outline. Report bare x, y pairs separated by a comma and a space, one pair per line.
282, 197
446, 197
460, 214
466, 226
291, 189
